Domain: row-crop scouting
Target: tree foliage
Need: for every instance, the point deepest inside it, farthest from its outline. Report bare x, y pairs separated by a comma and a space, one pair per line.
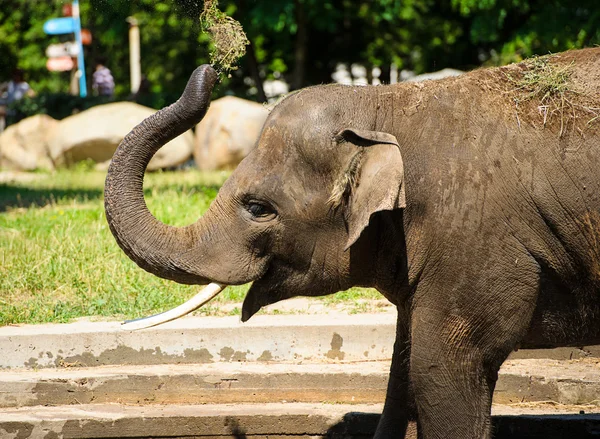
300, 39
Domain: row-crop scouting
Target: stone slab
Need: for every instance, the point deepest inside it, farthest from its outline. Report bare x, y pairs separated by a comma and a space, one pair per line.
571, 382
264, 420
200, 340
193, 340
196, 384
223, 420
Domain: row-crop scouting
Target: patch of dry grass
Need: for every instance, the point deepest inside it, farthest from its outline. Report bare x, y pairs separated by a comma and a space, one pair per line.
544, 81
547, 87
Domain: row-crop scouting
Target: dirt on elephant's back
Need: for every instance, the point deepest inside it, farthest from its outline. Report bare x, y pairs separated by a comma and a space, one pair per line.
558, 92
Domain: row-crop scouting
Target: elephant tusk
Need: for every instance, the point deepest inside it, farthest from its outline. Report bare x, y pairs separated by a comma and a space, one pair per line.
204, 296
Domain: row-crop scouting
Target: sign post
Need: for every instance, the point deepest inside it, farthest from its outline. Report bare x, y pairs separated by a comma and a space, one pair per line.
57, 26
62, 49
58, 52
80, 62
60, 64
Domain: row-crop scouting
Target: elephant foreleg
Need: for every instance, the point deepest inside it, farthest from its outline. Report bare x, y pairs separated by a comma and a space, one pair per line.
453, 399
454, 361
398, 419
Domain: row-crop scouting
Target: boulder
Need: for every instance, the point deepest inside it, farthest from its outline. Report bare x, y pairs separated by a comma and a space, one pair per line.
228, 132
24, 147
95, 134
440, 74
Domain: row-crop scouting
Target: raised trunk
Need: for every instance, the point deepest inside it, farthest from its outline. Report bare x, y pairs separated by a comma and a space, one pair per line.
154, 246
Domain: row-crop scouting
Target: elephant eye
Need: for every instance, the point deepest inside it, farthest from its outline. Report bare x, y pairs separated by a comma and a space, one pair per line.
260, 211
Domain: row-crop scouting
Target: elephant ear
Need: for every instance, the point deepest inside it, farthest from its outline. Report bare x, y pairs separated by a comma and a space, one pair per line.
372, 181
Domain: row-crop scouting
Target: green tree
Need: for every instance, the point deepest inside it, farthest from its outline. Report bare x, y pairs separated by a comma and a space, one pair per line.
511, 30
172, 45
301, 39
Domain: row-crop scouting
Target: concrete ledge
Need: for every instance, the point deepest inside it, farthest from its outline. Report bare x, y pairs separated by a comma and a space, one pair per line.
197, 384
195, 340
201, 340
116, 421
560, 381
563, 382
261, 421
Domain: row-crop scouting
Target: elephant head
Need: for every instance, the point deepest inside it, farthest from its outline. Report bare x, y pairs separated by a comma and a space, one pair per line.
293, 218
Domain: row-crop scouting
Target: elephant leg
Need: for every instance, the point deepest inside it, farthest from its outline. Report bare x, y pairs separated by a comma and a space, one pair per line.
454, 363
399, 409
453, 400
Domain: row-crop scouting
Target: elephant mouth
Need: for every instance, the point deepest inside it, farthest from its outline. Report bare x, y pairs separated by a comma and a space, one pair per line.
264, 291
255, 298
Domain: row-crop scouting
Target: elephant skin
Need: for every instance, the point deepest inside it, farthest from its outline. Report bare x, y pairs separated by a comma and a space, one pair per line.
471, 203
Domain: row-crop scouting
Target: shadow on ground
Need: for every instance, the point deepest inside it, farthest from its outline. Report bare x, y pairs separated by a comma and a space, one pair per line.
237, 432
21, 197
580, 426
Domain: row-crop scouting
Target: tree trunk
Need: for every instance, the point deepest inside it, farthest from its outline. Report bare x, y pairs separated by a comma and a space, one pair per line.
300, 51
385, 77
254, 72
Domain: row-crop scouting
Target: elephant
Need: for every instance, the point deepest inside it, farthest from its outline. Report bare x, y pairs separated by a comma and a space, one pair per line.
471, 203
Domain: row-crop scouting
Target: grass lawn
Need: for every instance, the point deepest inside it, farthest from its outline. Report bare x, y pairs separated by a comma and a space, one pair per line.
59, 261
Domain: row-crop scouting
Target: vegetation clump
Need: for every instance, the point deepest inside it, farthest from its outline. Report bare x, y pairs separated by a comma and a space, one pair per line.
544, 81
228, 38
548, 87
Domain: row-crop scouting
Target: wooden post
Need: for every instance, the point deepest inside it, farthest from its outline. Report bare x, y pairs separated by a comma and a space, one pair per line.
135, 67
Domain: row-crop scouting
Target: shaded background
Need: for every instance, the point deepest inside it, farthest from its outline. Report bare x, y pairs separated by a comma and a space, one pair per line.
300, 41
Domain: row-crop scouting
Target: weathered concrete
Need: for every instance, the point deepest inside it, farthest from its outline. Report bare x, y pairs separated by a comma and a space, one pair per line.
91, 421
299, 360
558, 353
263, 420
196, 384
296, 338
562, 382
201, 340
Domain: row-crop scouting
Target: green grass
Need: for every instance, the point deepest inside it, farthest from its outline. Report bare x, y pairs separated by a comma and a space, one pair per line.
59, 261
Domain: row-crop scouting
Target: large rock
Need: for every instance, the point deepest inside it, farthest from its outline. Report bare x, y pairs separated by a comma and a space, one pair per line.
24, 147
228, 132
440, 74
95, 134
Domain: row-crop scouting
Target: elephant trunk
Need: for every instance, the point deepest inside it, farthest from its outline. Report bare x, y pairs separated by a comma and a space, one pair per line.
155, 246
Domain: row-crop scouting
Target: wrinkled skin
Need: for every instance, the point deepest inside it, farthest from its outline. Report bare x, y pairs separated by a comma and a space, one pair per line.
483, 230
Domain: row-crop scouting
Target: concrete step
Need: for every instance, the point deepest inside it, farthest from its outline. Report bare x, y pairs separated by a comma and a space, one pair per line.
337, 337
558, 381
197, 384
520, 381
200, 340
262, 421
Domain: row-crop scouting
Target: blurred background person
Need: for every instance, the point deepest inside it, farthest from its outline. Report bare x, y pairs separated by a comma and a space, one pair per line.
103, 83
15, 89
